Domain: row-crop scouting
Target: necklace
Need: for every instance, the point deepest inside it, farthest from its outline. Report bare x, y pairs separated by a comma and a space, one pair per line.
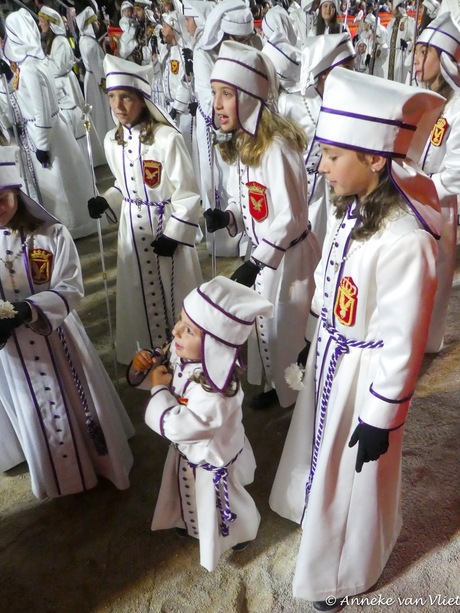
346, 257
9, 263
310, 114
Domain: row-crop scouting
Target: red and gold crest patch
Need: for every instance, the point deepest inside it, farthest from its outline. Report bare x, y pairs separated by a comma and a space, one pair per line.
258, 205
40, 265
439, 131
152, 173
174, 66
346, 302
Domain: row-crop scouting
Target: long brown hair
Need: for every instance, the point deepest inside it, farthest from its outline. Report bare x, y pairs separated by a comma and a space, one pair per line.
251, 149
149, 124
23, 219
374, 208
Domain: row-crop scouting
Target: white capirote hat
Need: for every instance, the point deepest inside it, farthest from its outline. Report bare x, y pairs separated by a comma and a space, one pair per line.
143, 3
22, 37
213, 32
198, 9
120, 73
277, 26
374, 115
126, 4
432, 7
53, 18
225, 311
444, 35
172, 19
239, 22
244, 68
286, 59
10, 178
322, 53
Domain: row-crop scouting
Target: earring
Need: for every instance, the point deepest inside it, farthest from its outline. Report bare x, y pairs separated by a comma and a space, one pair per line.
373, 170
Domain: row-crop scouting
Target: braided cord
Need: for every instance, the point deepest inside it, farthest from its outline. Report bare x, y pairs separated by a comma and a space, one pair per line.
94, 429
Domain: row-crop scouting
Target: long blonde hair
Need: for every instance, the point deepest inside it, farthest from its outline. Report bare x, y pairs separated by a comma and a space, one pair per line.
251, 149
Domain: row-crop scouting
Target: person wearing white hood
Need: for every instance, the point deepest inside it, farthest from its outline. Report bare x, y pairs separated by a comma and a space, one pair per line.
92, 56
53, 154
229, 19
127, 41
436, 65
198, 408
70, 96
401, 32
59, 409
376, 38
340, 472
277, 26
268, 202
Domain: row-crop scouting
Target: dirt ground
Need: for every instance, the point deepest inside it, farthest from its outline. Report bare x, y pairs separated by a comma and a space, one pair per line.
94, 552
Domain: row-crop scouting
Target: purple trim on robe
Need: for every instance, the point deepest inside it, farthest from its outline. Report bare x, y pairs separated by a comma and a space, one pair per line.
64, 300
389, 429
267, 242
43, 318
389, 400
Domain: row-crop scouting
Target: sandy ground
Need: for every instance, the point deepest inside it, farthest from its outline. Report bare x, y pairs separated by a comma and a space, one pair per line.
94, 552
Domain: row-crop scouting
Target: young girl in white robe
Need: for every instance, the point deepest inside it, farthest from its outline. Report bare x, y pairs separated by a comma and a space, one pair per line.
58, 408
368, 329
436, 65
198, 408
267, 187
156, 187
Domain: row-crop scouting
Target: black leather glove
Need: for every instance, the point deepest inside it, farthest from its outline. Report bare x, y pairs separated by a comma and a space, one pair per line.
187, 54
216, 219
97, 206
192, 107
303, 355
246, 274
23, 315
44, 158
6, 70
368, 60
403, 44
372, 443
164, 246
173, 114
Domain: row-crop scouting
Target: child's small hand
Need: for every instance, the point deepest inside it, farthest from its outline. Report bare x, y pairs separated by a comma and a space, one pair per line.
143, 360
160, 376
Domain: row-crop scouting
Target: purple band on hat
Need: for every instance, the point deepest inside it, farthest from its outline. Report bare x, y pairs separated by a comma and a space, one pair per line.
438, 46
128, 74
282, 53
336, 143
389, 122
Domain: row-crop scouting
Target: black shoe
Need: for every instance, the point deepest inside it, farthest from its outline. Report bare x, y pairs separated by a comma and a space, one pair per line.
241, 546
264, 400
181, 533
331, 605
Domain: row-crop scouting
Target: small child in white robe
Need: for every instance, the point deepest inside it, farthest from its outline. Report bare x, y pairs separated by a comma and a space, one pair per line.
196, 404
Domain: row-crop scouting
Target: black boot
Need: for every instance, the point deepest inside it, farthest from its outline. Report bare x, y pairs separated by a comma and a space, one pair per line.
264, 400
331, 605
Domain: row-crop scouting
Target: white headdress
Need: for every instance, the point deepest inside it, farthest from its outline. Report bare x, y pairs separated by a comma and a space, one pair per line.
374, 115
53, 18
225, 311
322, 53
22, 37
444, 35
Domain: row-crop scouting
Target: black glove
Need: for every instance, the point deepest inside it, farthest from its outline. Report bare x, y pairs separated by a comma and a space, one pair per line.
23, 315
164, 246
355, 39
44, 158
192, 107
188, 61
372, 443
403, 44
368, 60
173, 114
302, 357
97, 206
6, 70
216, 219
246, 274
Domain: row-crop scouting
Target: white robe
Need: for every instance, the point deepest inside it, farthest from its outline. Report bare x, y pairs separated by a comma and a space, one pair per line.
49, 369
441, 160
377, 304
289, 253
208, 430
150, 289
397, 65
62, 195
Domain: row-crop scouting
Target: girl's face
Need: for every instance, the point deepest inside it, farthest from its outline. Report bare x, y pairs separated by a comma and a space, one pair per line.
225, 106
8, 206
128, 12
426, 64
327, 11
168, 33
346, 173
187, 338
43, 24
126, 105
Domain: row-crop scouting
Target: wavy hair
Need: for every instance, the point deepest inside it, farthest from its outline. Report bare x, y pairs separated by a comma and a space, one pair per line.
251, 149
